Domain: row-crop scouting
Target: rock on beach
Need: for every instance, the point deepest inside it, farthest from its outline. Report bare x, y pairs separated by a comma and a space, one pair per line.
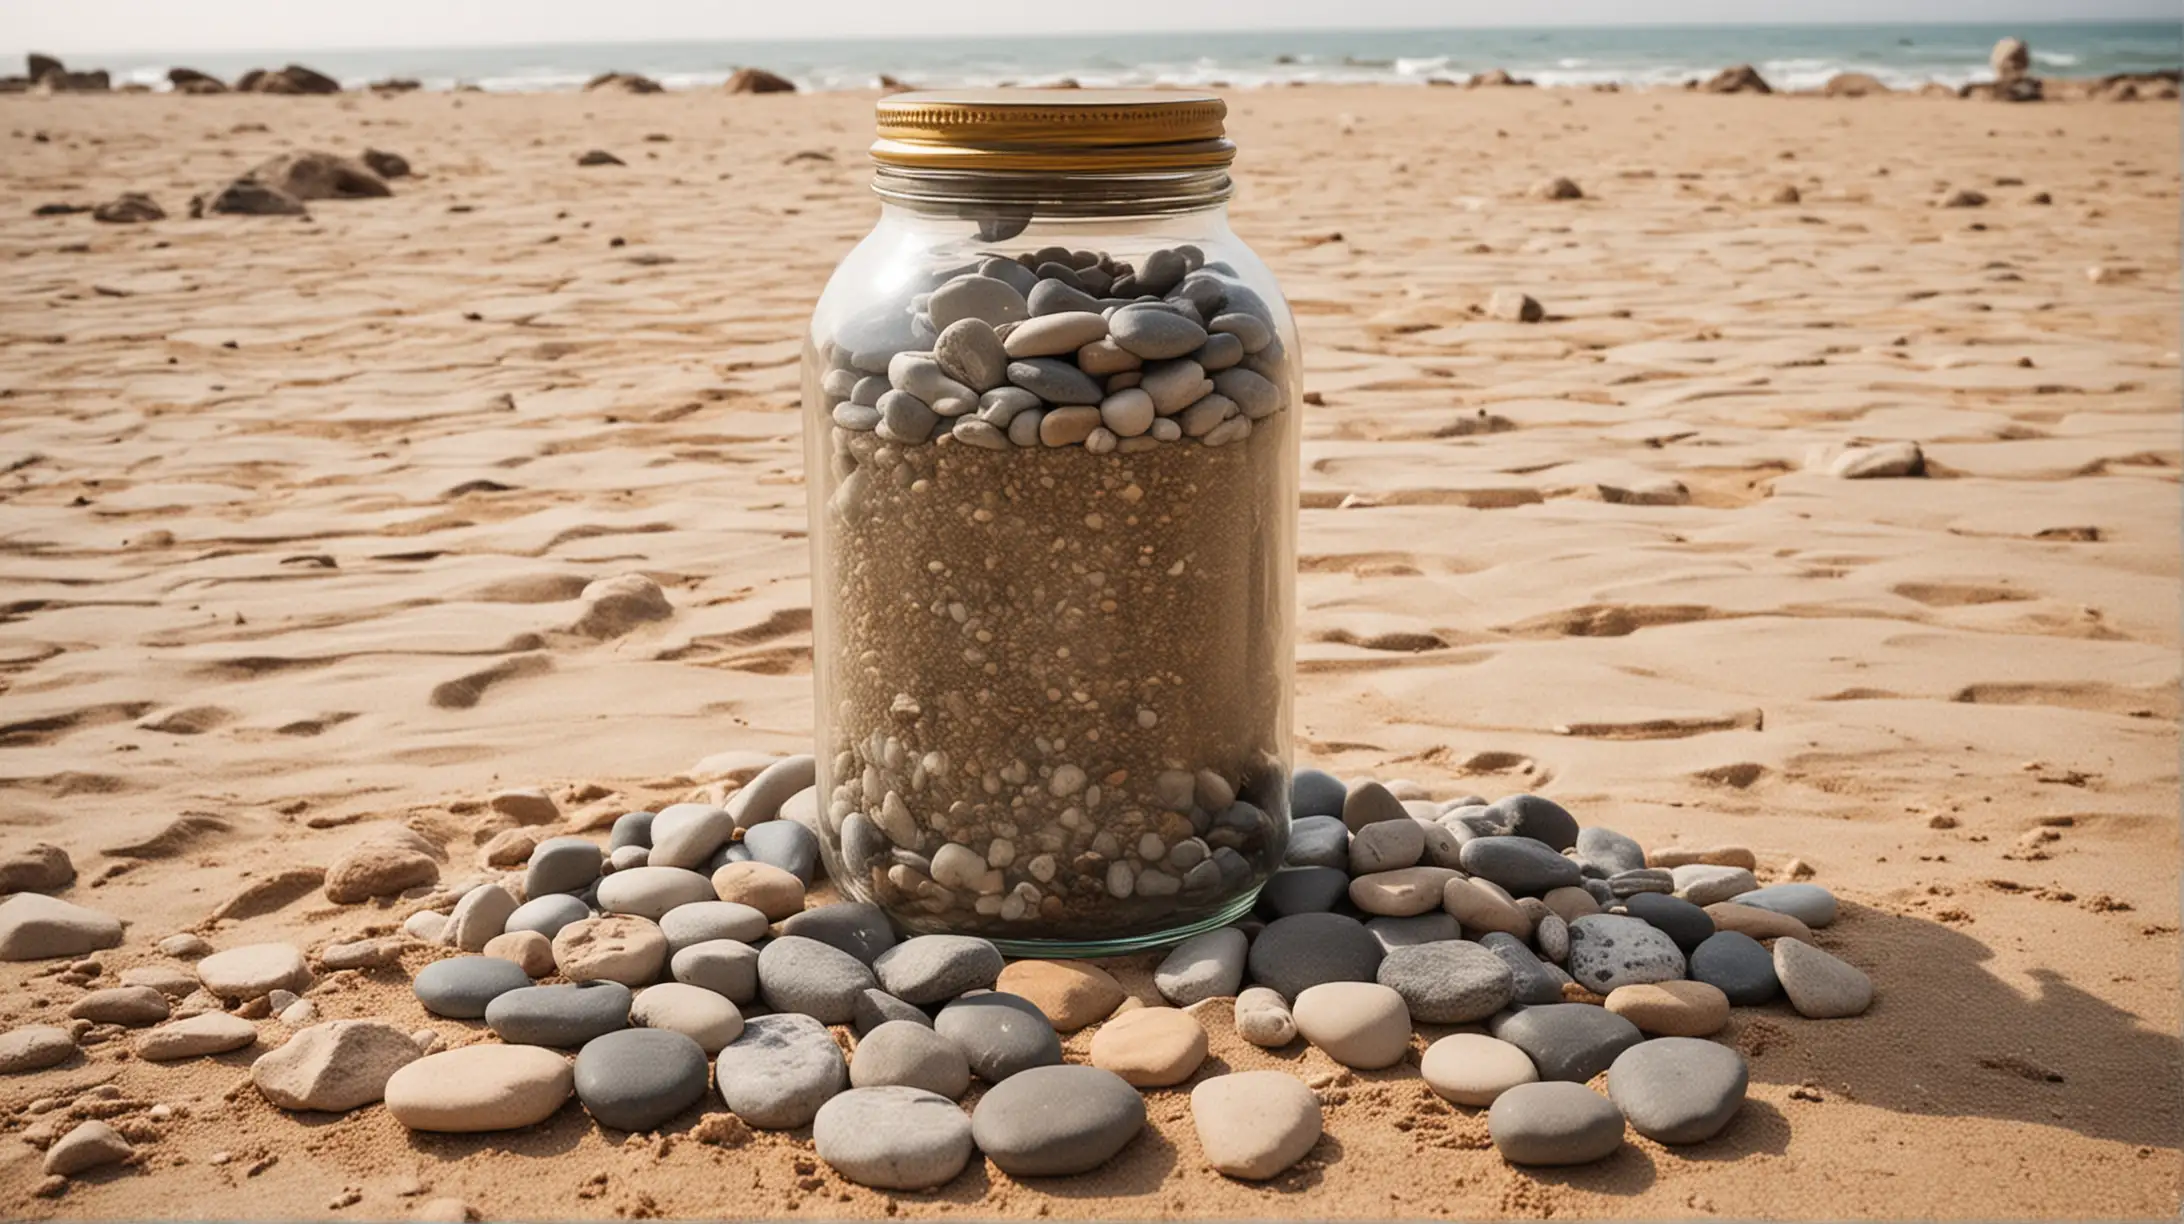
480, 1088
1253, 1125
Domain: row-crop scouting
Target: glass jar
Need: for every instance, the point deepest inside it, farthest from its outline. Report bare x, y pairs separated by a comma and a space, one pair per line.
1051, 440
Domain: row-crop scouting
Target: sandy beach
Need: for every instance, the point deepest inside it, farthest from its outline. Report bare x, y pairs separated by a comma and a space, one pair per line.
295, 515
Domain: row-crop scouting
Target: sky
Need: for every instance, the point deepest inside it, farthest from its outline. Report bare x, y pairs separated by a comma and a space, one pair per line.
73, 26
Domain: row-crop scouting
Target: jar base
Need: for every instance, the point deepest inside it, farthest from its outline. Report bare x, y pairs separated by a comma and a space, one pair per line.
1079, 949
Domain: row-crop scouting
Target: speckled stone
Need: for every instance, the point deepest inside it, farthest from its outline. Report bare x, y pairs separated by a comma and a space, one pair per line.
1678, 1089
1567, 1041
931, 968
893, 1137
1609, 950
1057, 1121
780, 1071
1554, 1124
461, 987
1000, 1034
638, 1079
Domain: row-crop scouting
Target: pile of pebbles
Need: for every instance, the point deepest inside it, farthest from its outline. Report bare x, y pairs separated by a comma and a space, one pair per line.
1059, 348
683, 962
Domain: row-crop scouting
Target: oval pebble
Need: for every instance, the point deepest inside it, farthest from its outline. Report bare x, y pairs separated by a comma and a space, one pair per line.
968, 351
1443, 983
1072, 995
858, 928
706, 921
1683, 922
1609, 852
1296, 953
480, 1088
1208, 965
650, 892
1705, 883
1820, 986
876, 1007
1739, 966
1554, 1124
1263, 1018
616, 948
461, 987
562, 865
893, 1138
638, 1079
1611, 950
1154, 334
1055, 381
256, 970
34, 1047
787, 845
1358, 1024
985, 298
565, 1016
1401, 893
1541, 819
805, 976
1000, 1034
1052, 335
1057, 1121
780, 1071
1482, 907
697, 1013
908, 1054
547, 915
1475, 1069
1672, 1009
1253, 1125
930, 969
727, 967
631, 829
1567, 1041
1519, 864
1808, 903
1150, 1047
1678, 1089
1319, 841
1386, 845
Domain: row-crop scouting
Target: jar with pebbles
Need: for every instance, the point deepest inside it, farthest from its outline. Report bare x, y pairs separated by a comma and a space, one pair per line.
1051, 422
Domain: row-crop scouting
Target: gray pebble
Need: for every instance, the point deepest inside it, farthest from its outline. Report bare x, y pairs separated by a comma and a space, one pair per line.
1567, 1041
1808, 903
988, 298
876, 1007
562, 865
727, 967
1219, 352
1611, 950
780, 1071
1433, 927
1053, 297
971, 431
1447, 983
461, 987
1016, 274
920, 375
1609, 851
858, 928
631, 829
547, 914
1678, 1089
1643, 880
1530, 981
1554, 1124
785, 844
874, 335
805, 976
1540, 819
1319, 841
705, 921
638, 1079
686, 834
867, 392
1552, 936
1057, 335
862, 842
1386, 845
1174, 386
1058, 270
911, 1055
1209, 965
1705, 884
1251, 331
626, 857
1739, 966
1201, 418
968, 352
1296, 953
733, 852
1254, 394
1055, 381
565, 1016
1601, 894
1001, 1034
855, 417
1155, 335
1314, 792
1018, 1126
649, 892
906, 419
931, 968
1024, 429
1303, 890
1163, 271
893, 1138
1519, 864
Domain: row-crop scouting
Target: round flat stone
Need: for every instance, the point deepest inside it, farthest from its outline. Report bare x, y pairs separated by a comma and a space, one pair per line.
686, 834
1443, 983
1319, 841
1518, 864
461, 987
787, 845
1554, 1124
1704, 883
34, 1047
1072, 994
1433, 927
1000, 1034
1820, 986
893, 1137
1358, 1024
1531, 980
1155, 334
1678, 1089
254, 971
1057, 1121
907, 1054
1570, 904
480, 1088
1315, 792
1151, 1047
196, 1036
1567, 1041
616, 948
1253, 1125
704, 921
638, 1079
562, 865
727, 967
1609, 852
1209, 965
762, 886
1609, 950
780, 1071
564, 1016
697, 1013
858, 928
649, 892
1685, 923
876, 1007
1739, 966
133, 1006
930, 969
819, 980
1386, 845
1808, 903
1542, 820
1672, 1009
1475, 1069
480, 915
989, 299
1402, 893
547, 915
1296, 953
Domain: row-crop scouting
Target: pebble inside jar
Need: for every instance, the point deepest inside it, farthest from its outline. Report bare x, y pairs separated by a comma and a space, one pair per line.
1051, 422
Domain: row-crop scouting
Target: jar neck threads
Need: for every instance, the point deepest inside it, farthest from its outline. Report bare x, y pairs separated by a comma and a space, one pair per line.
1008, 196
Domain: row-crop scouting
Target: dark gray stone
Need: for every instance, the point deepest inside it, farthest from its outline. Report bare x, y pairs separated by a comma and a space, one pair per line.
1303, 890
1522, 865
1053, 297
1055, 381
1739, 965
1608, 851
862, 843
1455, 982
1554, 1124
858, 928
1611, 950
562, 865
1567, 1041
631, 829
1371, 803
1319, 841
810, 978
893, 1138
547, 914
460, 987
638, 1079
564, 1016
876, 1007
727, 967
933, 968
780, 1071
1057, 1121
1301, 951
1643, 880
785, 844
1155, 334
1313, 792
1001, 1034
1431, 927
1542, 820
1531, 981
1678, 1089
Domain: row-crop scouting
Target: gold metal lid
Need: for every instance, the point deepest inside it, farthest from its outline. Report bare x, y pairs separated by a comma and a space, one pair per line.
1081, 130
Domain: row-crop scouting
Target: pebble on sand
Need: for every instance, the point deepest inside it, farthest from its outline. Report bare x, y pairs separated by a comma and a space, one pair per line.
1151, 1047
1756, 922
893, 1137
254, 970
461, 987
1672, 1009
34, 1047
762, 886
637, 1079
1554, 1124
34, 926
1567, 1041
89, 1146
480, 1088
615, 947
1611, 950
1456, 982
780, 1071
478, 917
697, 1013
336, 1066
196, 1036
1071, 994
133, 1006
1000, 1034
1739, 966
1358, 1024
1263, 1018
1678, 1089
808, 977
1019, 1127
378, 867
564, 1016
1475, 1069
1253, 1125
931, 969
1820, 986
907, 1054
1296, 953
1808, 903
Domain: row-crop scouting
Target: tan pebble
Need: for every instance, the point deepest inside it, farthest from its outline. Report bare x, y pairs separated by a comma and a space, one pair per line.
1358, 1024
1756, 922
334, 1067
1401, 893
762, 886
1570, 903
91, 1145
34, 1048
1254, 1124
508, 848
1070, 994
481, 1087
1478, 906
615, 947
254, 970
378, 868
361, 954
1151, 1047
1712, 856
1473, 1068
526, 806
1672, 1009
1797, 869
529, 949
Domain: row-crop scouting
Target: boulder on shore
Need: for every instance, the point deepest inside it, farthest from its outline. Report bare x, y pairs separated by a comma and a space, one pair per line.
191, 81
294, 79
623, 82
1494, 76
2010, 59
1853, 85
1741, 78
313, 175
758, 80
